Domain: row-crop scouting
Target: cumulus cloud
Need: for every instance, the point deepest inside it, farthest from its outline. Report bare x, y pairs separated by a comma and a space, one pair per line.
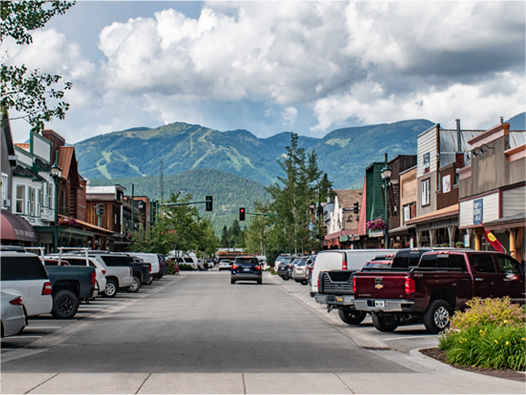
339, 62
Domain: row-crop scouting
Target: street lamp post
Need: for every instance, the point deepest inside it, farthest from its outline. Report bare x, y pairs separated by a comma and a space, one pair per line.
56, 173
386, 175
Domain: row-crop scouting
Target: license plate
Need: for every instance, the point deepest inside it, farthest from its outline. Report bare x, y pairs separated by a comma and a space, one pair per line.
339, 299
379, 303
246, 269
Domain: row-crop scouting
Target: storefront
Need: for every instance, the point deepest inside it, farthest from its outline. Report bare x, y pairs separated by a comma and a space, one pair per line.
16, 230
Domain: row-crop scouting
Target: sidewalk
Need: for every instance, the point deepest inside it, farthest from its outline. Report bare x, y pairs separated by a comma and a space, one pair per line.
436, 381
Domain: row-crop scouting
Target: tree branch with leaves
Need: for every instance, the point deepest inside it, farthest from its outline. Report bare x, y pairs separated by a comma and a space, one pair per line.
37, 96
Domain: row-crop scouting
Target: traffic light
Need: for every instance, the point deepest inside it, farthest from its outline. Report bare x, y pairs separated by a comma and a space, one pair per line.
101, 208
242, 214
356, 208
209, 203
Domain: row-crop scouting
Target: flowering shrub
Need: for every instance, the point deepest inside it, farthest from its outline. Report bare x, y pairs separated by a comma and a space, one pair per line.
377, 224
67, 222
491, 333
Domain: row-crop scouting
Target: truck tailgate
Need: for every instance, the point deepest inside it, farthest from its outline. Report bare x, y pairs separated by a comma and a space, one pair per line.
385, 285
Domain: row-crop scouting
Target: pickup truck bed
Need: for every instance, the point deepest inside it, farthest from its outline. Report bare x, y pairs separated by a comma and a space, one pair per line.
70, 285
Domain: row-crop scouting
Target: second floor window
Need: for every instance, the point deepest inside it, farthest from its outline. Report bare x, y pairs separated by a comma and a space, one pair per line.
20, 199
426, 193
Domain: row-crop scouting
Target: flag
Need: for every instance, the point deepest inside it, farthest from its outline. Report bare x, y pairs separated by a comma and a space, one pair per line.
490, 238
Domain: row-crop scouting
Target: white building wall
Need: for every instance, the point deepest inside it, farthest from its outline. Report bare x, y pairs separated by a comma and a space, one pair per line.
514, 201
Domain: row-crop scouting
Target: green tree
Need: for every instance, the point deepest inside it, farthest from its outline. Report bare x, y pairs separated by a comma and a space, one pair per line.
31, 93
224, 237
180, 228
257, 235
292, 197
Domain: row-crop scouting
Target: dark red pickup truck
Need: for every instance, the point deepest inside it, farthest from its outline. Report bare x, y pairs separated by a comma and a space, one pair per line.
442, 282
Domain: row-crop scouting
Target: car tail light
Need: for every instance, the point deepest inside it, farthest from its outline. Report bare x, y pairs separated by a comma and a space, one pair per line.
149, 268
93, 278
103, 271
354, 284
258, 267
17, 301
47, 289
234, 266
131, 272
409, 285
344, 265
318, 282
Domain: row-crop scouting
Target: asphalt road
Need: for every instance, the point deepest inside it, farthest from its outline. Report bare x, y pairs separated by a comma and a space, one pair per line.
197, 333
196, 322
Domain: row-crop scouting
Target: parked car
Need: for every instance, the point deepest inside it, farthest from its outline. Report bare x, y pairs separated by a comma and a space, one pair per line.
13, 314
380, 262
225, 264
279, 259
299, 272
246, 268
284, 267
155, 261
442, 282
23, 273
119, 273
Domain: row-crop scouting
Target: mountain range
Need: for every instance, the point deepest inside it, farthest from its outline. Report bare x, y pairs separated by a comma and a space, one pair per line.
343, 153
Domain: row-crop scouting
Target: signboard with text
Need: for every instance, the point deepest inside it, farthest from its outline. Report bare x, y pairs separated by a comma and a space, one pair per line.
477, 211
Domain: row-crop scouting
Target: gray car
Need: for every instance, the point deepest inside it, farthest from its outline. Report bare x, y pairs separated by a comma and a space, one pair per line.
14, 318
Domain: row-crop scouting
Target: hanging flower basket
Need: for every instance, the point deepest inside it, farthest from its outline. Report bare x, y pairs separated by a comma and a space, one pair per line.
67, 222
377, 224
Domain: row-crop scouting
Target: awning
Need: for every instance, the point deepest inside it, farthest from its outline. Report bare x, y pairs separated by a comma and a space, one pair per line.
17, 228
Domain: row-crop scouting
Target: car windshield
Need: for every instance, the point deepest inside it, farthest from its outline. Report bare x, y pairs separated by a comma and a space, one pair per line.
246, 261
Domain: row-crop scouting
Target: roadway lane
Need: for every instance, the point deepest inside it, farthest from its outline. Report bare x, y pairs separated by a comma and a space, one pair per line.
199, 322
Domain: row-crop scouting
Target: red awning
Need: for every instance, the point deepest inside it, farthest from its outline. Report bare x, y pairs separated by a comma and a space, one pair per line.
14, 227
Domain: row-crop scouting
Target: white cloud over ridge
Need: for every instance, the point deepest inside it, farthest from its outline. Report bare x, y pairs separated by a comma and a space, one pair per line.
371, 62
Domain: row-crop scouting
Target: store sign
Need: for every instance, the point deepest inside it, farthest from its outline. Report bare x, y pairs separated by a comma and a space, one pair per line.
427, 163
477, 211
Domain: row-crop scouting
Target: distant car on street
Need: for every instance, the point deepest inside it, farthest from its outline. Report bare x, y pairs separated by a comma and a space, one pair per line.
225, 264
246, 268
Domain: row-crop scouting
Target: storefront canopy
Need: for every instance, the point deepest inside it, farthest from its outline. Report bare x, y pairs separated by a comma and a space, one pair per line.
16, 228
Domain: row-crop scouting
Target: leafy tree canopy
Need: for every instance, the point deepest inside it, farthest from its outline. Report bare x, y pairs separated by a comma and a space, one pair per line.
31, 93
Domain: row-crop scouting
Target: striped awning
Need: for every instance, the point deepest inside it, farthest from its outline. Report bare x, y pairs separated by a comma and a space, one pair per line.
17, 228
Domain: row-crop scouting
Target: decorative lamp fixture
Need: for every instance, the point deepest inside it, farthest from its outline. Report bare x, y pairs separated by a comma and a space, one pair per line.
386, 172
56, 170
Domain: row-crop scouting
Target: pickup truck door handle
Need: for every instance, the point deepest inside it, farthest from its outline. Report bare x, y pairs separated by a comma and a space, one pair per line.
479, 279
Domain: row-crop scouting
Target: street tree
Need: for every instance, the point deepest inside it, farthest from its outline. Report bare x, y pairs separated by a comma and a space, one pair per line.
257, 234
292, 196
37, 96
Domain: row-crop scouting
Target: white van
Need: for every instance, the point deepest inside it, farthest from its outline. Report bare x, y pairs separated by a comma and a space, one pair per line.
342, 260
188, 258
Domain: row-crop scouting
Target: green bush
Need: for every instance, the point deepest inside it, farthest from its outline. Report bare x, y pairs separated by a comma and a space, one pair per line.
490, 334
185, 266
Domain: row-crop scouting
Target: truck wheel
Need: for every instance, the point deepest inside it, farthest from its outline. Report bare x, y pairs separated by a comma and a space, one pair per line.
351, 317
65, 304
232, 281
437, 316
136, 285
385, 322
285, 278
304, 282
111, 289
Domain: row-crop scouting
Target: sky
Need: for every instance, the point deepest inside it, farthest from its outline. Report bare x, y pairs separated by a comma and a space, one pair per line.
307, 67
